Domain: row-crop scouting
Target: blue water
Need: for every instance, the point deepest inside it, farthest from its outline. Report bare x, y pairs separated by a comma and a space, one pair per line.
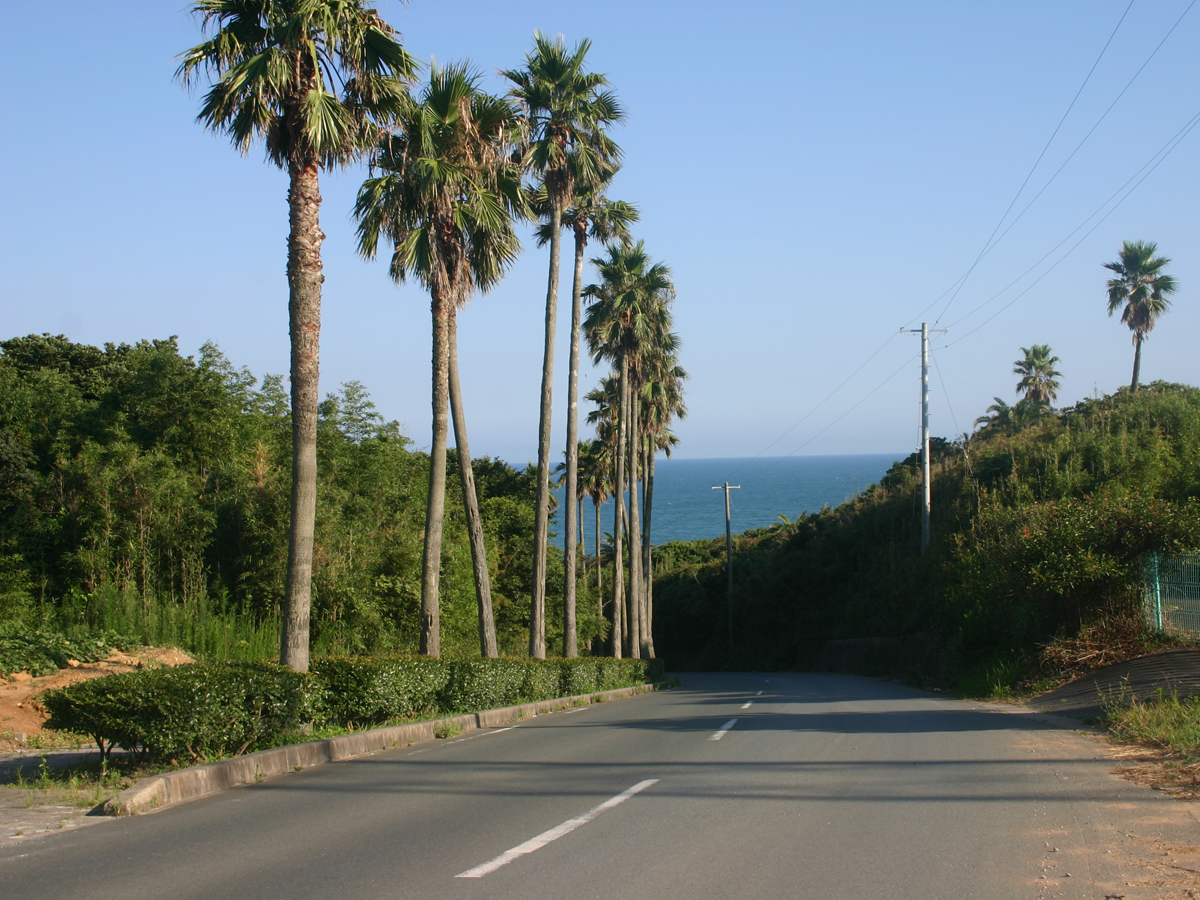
686, 507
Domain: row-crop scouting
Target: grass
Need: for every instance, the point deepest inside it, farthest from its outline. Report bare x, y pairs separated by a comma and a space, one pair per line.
83, 786
1161, 739
1166, 722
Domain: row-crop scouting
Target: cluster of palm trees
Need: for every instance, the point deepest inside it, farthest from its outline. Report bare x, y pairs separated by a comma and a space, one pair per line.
454, 170
628, 326
1140, 290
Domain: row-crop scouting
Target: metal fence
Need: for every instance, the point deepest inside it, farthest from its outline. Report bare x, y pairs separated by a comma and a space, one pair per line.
1171, 588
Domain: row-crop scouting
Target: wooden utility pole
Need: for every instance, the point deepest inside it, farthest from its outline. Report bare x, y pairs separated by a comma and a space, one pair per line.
728, 553
926, 486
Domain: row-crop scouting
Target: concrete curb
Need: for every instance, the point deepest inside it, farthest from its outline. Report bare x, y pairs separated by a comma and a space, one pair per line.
160, 791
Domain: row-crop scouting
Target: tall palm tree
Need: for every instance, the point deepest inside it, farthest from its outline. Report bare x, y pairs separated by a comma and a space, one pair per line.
567, 111
626, 310
591, 216
314, 80
1039, 378
662, 394
596, 465
1142, 288
446, 196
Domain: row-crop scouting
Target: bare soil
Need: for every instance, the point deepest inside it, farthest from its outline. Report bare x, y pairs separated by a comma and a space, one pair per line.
22, 715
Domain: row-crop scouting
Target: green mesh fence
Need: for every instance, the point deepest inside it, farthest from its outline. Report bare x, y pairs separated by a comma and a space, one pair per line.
1172, 592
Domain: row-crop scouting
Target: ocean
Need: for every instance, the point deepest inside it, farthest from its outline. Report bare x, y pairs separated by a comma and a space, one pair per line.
686, 507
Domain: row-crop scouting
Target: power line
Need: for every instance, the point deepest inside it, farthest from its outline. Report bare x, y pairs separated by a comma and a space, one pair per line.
993, 240
814, 409
1161, 156
1103, 116
872, 392
987, 245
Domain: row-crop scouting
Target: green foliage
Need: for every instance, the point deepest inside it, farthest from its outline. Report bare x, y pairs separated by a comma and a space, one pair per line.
202, 711
43, 652
368, 691
148, 493
187, 713
1167, 722
1037, 531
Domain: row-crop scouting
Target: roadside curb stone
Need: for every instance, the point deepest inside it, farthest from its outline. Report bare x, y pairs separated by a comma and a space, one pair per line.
171, 788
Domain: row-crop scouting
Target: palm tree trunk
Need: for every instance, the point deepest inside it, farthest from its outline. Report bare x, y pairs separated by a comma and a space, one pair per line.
1137, 361
541, 524
618, 523
304, 326
599, 568
479, 562
647, 562
635, 533
435, 509
570, 637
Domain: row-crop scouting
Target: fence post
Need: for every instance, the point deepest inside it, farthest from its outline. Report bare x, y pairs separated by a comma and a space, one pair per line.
1157, 591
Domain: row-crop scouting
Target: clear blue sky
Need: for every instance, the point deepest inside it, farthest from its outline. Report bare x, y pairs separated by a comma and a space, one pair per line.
815, 174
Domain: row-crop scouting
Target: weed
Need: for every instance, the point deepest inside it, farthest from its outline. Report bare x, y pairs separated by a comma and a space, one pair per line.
447, 729
1167, 722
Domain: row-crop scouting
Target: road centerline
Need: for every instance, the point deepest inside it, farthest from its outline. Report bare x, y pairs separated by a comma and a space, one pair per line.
537, 843
720, 733
747, 704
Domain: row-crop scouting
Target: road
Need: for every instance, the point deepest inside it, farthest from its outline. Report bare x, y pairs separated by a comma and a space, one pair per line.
730, 786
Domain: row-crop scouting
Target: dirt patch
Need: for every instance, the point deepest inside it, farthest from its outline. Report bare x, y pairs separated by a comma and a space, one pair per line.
22, 715
1160, 769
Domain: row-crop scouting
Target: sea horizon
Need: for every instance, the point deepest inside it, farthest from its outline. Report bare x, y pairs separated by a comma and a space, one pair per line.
686, 506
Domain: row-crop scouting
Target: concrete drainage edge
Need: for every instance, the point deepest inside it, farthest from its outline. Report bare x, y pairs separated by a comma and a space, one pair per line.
160, 791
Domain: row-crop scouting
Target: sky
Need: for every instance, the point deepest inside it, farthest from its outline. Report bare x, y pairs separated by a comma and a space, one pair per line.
815, 175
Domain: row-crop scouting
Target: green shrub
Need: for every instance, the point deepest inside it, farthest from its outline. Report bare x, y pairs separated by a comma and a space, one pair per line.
191, 713
202, 711
484, 684
543, 680
370, 690
580, 676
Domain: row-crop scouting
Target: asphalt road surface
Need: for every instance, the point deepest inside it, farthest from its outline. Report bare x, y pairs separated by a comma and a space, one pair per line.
730, 786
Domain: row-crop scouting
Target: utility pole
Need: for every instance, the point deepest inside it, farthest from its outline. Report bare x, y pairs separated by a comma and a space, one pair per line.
926, 493
728, 554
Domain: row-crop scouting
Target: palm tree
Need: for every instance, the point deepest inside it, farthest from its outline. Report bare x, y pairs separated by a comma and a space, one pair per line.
315, 80
627, 311
1142, 289
999, 417
607, 396
446, 196
1005, 418
591, 215
1038, 381
567, 111
662, 395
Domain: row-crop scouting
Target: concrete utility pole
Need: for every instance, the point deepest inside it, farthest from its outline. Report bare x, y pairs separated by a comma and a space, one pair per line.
728, 553
926, 492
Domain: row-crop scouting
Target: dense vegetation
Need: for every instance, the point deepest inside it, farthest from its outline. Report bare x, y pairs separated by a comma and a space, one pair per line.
202, 711
1039, 526
147, 493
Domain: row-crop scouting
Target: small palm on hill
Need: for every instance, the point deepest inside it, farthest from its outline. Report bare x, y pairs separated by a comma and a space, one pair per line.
1039, 378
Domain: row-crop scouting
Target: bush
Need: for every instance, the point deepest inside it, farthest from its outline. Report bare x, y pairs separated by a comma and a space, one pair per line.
203, 711
192, 712
485, 684
369, 690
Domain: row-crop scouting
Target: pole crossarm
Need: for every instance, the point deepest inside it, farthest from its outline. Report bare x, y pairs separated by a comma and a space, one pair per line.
727, 487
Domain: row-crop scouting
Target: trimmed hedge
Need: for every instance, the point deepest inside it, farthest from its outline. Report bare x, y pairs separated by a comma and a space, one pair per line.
191, 712
368, 690
201, 711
